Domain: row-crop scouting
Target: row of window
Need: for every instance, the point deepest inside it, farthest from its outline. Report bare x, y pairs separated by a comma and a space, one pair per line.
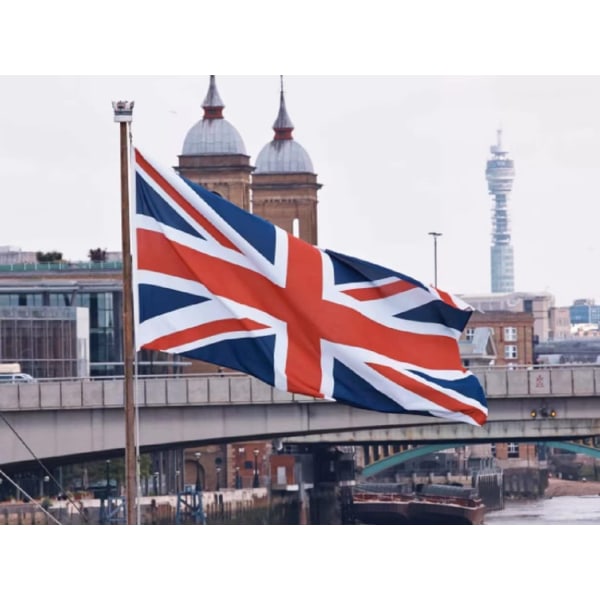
510, 334
98, 300
512, 449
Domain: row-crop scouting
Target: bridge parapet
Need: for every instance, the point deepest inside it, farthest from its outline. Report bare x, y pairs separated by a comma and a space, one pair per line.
228, 389
149, 392
534, 381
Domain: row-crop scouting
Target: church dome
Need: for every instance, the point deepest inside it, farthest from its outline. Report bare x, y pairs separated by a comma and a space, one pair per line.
213, 134
283, 154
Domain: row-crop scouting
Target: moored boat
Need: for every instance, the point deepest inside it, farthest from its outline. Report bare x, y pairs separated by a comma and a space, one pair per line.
427, 504
446, 504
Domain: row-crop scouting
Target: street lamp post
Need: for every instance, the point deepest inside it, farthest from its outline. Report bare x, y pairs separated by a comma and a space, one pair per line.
238, 479
177, 476
435, 236
198, 481
107, 478
255, 481
218, 479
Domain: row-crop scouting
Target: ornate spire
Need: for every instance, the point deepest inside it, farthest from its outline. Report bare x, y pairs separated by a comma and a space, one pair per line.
213, 105
283, 125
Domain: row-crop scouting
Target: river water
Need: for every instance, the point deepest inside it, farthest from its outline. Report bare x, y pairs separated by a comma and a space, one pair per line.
560, 510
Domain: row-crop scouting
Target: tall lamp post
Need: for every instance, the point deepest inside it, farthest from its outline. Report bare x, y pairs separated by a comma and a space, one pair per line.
198, 481
255, 481
238, 478
107, 478
435, 236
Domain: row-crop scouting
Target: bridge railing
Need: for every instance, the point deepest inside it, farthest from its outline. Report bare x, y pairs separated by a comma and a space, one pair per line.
559, 380
148, 392
227, 389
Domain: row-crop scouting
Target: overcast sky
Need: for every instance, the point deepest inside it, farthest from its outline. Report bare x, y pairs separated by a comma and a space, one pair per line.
398, 156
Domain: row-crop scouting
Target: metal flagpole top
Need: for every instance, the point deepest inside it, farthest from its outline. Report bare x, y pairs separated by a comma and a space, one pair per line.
123, 111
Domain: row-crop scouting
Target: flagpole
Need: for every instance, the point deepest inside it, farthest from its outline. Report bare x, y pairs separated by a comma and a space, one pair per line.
123, 115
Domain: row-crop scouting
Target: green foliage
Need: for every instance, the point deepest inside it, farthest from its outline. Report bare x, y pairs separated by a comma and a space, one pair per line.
97, 254
49, 257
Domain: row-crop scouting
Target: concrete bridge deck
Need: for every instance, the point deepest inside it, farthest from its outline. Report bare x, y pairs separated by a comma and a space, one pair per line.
65, 418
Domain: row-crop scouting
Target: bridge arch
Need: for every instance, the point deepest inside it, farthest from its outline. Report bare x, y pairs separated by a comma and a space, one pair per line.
391, 461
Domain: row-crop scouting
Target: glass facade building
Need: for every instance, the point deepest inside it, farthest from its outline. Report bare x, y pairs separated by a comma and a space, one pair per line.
583, 312
98, 289
46, 342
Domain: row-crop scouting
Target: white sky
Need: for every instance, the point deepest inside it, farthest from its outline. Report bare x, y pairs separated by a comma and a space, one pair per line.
398, 155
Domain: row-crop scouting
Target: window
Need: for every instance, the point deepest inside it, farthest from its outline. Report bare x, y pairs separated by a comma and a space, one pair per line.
510, 334
510, 352
469, 333
512, 450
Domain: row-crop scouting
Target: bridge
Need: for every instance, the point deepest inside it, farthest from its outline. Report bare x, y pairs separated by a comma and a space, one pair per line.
84, 417
377, 467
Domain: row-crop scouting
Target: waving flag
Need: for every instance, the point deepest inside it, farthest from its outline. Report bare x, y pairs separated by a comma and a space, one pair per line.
216, 283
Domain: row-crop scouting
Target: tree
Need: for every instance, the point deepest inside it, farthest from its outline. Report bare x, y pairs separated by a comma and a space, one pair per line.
97, 255
49, 257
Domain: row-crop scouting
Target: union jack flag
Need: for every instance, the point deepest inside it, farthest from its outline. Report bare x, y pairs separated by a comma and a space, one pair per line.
215, 283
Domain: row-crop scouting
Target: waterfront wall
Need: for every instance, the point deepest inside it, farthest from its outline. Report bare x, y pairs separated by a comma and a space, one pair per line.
219, 507
525, 482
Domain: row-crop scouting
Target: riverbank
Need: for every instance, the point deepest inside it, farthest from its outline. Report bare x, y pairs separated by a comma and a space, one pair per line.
565, 487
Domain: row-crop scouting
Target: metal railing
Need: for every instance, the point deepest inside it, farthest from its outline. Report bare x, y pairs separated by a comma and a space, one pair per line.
62, 266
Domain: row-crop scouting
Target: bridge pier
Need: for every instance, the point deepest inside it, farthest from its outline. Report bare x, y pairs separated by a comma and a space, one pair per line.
317, 477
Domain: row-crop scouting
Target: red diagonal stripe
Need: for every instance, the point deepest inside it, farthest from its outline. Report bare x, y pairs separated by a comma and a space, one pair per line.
425, 391
382, 291
446, 297
193, 334
182, 202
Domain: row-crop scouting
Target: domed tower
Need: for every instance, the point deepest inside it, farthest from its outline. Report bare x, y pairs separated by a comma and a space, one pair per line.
214, 154
284, 185
500, 173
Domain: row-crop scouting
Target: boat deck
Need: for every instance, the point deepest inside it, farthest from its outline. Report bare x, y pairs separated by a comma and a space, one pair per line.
425, 506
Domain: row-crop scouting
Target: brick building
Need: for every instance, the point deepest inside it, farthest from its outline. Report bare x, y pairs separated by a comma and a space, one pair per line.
512, 334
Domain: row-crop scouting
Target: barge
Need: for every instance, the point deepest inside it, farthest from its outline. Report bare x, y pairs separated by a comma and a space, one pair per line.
428, 504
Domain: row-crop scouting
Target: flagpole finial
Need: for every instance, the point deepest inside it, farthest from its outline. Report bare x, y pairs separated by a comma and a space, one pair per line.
123, 110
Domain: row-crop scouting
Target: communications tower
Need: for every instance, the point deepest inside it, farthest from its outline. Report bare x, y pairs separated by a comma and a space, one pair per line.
500, 173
